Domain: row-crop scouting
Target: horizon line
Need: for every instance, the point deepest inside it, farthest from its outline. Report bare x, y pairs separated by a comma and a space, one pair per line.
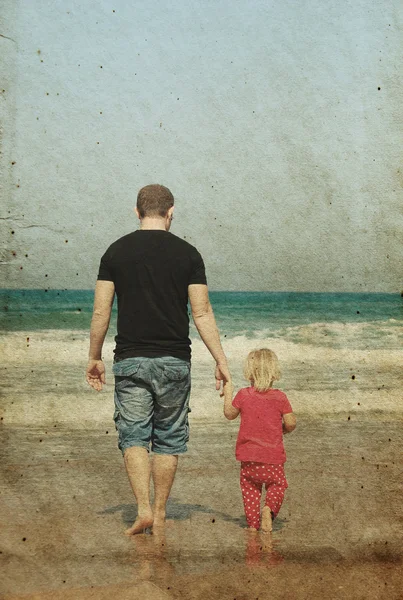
211, 290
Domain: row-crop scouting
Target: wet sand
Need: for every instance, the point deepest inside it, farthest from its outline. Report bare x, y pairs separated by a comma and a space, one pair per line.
66, 501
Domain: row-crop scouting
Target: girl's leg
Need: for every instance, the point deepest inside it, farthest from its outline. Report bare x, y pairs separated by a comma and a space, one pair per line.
276, 484
251, 494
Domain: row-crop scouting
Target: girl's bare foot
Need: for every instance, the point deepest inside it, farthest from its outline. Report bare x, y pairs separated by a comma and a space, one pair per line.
140, 524
267, 524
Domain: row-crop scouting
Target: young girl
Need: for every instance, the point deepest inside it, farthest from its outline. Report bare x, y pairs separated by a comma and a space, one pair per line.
265, 415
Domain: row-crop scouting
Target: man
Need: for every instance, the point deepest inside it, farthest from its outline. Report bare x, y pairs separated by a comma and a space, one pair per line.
154, 274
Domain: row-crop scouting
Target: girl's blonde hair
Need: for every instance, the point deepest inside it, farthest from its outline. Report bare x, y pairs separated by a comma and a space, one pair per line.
262, 368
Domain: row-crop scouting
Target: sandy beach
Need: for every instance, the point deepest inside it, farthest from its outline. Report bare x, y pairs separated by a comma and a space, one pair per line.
66, 500
43, 381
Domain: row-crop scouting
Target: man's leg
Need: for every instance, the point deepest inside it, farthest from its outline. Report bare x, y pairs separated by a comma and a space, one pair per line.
134, 408
138, 470
163, 470
171, 428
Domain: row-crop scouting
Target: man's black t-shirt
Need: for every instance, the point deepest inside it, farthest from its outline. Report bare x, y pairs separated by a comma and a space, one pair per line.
151, 270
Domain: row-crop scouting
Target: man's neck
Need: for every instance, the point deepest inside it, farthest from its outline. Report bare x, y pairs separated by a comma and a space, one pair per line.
148, 223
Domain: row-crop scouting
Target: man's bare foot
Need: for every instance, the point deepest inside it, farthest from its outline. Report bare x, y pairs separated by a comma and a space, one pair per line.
140, 524
267, 524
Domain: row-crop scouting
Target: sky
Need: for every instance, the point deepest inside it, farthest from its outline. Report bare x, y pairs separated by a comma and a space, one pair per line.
276, 125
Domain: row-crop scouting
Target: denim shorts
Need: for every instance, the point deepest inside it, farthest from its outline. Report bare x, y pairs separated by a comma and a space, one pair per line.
152, 403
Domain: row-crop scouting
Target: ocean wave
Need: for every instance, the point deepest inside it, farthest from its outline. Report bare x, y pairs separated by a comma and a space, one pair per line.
387, 334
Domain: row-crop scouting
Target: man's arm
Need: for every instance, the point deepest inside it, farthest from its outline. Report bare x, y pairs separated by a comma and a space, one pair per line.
203, 317
104, 294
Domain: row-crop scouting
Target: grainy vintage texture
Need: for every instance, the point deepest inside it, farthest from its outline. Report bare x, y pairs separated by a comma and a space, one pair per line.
278, 127
276, 124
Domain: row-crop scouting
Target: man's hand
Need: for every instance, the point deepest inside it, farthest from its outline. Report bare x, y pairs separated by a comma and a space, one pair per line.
95, 374
222, 375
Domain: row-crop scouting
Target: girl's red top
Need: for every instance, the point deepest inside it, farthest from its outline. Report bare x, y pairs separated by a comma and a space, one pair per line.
260, 436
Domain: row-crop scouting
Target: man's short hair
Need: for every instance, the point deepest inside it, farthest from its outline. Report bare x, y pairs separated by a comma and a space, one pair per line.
154, 201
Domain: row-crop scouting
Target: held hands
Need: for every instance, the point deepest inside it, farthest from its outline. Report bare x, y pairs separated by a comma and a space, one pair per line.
224, 383
95, 374
222, 375
227, 391
230, 412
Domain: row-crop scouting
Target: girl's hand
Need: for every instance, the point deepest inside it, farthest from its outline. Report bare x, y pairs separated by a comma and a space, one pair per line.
227, 390
230, 411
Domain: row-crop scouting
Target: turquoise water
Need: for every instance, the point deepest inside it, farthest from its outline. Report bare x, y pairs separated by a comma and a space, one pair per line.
322, 318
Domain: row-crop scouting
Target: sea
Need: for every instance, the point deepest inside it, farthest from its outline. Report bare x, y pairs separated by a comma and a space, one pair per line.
337, 320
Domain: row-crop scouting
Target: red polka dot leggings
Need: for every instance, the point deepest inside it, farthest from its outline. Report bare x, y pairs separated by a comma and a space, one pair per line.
253, 476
